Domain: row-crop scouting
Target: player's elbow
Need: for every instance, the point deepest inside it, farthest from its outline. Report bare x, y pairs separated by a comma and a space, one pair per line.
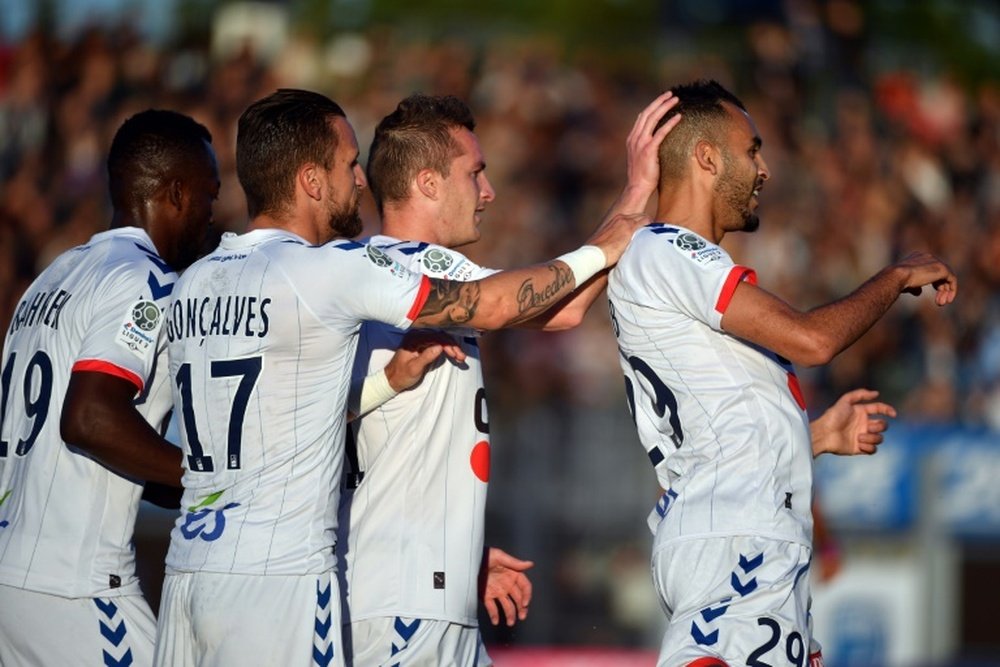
813, 350
565, 319
74, 425
82, 416
492, 320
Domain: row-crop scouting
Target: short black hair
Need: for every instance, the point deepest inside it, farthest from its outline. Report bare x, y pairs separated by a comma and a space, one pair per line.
148, 149
275, 137
705, 117
417, 135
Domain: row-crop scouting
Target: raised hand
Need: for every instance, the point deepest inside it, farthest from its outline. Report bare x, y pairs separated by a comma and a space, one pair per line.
643, 168
643, 143
503, 584
852, 425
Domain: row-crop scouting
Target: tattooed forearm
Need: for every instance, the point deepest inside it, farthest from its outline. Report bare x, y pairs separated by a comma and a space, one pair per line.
507, 302
530, 300
451, 302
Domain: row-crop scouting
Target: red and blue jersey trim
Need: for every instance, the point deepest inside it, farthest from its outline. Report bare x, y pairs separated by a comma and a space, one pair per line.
736, 275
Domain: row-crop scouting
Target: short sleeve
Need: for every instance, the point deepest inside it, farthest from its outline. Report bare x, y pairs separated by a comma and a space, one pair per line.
124, 332
692, 275
432, 260
373, 286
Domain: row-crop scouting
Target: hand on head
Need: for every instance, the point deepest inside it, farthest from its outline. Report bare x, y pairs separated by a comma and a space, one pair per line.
643, 143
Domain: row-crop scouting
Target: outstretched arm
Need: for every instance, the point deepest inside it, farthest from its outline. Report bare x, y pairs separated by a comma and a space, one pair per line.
643, 175
814, 337
852, 425
516, 297
503, 584
510, 297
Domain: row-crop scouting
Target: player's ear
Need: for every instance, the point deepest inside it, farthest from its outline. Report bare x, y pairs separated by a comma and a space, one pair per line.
707, 157
428, 183
309, 179
177, 194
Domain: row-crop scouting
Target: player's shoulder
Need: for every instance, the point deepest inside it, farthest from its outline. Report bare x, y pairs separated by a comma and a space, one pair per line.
294, 255
122, 255
431, 259
675, 242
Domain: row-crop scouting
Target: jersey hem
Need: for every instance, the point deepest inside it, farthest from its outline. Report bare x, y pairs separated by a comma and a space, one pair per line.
661, 543
59, 589
173, 569
385, 613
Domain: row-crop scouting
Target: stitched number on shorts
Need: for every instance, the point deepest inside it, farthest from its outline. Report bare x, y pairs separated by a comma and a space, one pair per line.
248, 370
37, 409
664, 398
794, 646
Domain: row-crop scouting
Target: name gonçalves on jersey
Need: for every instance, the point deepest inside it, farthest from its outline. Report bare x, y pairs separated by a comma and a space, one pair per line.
262, 336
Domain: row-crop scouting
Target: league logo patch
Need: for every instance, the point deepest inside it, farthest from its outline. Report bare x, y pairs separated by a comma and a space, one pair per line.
437, 260
689, 241
146, 315
138, 331
698, 248
378, 257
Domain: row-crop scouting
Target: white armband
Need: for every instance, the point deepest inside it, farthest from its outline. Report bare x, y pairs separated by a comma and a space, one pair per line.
585, 262
375, 391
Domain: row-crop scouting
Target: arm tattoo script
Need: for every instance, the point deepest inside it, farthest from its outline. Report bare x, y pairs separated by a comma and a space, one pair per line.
452, 303
531, 301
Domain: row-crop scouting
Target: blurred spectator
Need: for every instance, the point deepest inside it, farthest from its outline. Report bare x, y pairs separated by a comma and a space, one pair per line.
870, 160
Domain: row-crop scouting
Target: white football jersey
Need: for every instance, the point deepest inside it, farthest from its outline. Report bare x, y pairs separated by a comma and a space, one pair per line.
412, 514
722, 420
262, 334
66, 521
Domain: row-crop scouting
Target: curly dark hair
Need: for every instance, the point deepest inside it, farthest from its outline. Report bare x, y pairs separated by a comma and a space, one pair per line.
148, 149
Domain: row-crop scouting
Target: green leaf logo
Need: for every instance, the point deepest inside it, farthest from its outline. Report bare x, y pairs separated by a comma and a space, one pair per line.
207, 500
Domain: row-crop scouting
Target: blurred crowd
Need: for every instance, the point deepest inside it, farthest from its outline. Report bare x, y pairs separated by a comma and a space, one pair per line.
889, 163
867, 164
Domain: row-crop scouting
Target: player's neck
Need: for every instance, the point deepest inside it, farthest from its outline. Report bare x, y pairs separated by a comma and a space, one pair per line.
689, 204
288, 223
406, 224
699, 224
124, 219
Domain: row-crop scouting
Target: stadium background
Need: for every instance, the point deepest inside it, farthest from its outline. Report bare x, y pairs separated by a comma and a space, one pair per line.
881, 125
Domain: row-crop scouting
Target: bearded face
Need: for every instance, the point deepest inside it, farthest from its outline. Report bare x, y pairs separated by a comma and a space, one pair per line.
345, 218
737, 190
